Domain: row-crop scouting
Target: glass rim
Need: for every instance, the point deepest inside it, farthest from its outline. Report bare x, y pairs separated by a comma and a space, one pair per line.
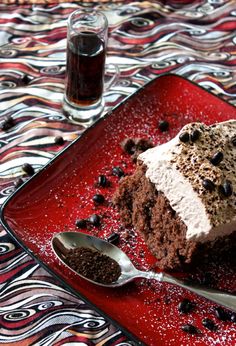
90, 11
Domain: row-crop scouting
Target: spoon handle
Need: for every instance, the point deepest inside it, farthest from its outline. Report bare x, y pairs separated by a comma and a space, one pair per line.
226, 299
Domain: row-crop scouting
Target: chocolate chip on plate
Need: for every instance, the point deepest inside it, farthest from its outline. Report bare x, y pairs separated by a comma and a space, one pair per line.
28, 169
163, 125
94, 220
102, 181
209, 324
207, 279
189, 328
98, 198
185, 306
128, 145
114, 238
81, 223
233, 317
118, 171
221, 314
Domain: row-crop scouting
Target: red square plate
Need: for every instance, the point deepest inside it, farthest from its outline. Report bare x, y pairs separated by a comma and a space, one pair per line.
60, 193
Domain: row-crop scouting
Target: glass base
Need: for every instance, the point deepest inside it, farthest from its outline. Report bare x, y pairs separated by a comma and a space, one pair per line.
83, 115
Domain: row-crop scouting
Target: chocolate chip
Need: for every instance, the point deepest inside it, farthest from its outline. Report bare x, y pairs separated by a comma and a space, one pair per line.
184, 137
234, 141
18, 183
185, 306
142, 144
207, 279
28, 169
114, 238
135, 146
208, 184
217, 158
128, 145
59, 140
209, 324
233, 317
7, 123
226, 189
102, 180
25, 79
163, 125
194, 136
98, 198
81, 223
118, 171
221, 314
189, 328
94, 220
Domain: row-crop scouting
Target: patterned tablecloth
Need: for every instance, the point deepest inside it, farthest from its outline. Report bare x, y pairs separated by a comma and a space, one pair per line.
195, 39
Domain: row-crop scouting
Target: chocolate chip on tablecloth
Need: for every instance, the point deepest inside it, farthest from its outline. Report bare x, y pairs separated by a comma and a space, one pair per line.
18, 183
59, 140
25, 79
28, 169
7, 124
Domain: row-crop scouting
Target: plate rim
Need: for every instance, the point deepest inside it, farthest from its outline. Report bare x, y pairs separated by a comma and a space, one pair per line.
61, 280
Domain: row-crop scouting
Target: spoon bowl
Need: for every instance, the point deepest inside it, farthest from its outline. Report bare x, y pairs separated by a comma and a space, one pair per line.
63, 242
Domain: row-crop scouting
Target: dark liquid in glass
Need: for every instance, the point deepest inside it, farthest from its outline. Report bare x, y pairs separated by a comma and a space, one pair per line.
85, 69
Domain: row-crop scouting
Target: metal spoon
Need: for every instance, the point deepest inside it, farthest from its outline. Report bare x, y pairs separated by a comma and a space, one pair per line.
64, 241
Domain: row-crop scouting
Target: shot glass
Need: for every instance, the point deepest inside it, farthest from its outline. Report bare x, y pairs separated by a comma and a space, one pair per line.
87, 35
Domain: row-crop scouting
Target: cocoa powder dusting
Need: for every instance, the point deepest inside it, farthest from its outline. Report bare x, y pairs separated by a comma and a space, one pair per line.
93, 265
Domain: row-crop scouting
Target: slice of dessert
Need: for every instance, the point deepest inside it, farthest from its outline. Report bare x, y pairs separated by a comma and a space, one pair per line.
182, 196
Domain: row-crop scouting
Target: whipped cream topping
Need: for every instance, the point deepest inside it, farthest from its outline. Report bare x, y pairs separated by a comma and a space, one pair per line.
198, 177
